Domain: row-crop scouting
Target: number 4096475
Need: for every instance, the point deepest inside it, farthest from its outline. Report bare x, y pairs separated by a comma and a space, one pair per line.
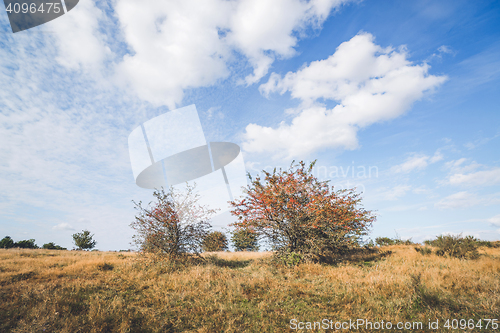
50, 7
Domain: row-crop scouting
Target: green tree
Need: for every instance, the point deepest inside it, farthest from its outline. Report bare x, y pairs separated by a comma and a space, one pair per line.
6, 243
245, 239
215, 241
298, 213
84, 240
26, 244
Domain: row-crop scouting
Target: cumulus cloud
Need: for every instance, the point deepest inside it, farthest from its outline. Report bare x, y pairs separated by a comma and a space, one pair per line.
417, 162
263, 30
177, 45
80, 42
370, 84
159, 49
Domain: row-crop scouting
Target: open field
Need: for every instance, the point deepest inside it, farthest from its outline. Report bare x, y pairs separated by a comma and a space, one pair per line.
75, 291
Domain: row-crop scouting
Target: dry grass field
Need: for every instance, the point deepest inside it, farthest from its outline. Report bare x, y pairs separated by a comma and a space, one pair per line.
75, 291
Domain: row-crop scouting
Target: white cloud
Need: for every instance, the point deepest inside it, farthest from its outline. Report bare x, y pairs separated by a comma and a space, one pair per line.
458, 166
370, 83
263, 29
215, 112
172, 46
438, 156
495, 220
79, 41
465, 199
417, 162
458, 200
395, 192
479, 178
177, 45
445, 49
480, 142
63, 226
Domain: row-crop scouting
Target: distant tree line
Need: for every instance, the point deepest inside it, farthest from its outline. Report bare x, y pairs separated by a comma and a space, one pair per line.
7, 242
83, 240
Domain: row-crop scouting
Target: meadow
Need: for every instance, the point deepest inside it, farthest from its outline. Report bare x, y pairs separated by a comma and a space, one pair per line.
78, 291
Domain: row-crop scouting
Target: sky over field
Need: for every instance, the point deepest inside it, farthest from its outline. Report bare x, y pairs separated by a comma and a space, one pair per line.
399, 99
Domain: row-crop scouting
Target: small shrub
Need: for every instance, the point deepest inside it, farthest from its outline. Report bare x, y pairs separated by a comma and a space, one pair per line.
384, 241
245, 239
214, 241
456, 246
105, 267
52, 246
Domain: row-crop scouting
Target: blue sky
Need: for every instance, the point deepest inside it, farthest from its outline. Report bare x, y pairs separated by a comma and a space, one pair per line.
406, 89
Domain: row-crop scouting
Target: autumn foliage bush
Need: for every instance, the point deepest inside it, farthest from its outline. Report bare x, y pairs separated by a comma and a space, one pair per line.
297, 213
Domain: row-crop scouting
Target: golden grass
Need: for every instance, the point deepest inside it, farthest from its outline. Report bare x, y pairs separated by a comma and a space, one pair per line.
73, 291
244, 255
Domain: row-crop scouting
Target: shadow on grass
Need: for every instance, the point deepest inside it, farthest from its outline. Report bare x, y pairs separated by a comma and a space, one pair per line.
360, 256
219, 262
425, 297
